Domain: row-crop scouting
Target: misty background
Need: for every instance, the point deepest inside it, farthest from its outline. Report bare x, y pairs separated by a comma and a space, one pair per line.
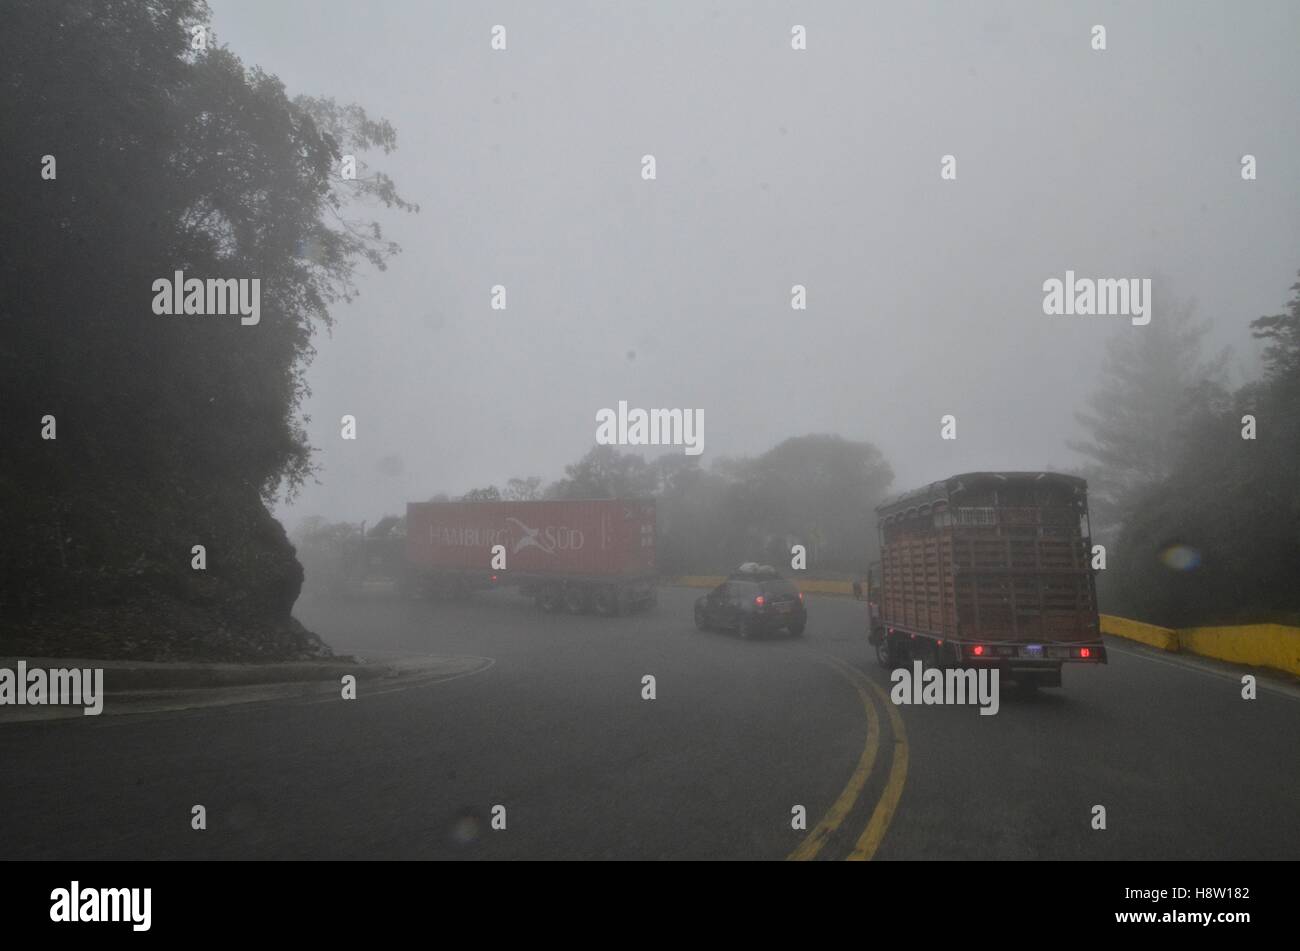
132, 437
777, 167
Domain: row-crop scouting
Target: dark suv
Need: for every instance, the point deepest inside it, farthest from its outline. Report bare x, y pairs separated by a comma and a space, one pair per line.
753, 603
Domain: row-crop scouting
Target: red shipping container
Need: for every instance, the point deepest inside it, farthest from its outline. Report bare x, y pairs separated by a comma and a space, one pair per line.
606, 538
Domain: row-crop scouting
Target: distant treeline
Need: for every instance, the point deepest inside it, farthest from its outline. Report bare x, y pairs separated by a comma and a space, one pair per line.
1196, 485
818, 491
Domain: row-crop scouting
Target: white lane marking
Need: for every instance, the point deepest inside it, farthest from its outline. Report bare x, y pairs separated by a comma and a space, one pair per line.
289, 700
1262, 683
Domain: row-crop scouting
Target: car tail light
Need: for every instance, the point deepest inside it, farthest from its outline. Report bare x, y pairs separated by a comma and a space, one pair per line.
494, 577
978, 650
1085, 652
801, 597
759, 600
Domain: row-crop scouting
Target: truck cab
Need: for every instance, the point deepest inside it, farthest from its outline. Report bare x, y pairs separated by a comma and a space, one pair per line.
871, 585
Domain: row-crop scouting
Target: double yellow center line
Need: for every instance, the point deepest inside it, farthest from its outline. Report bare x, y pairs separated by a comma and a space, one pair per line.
869, 841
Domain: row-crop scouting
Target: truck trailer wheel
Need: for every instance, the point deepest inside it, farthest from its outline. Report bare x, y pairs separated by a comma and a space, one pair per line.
606, 601
551, 598
404, 587
577, 599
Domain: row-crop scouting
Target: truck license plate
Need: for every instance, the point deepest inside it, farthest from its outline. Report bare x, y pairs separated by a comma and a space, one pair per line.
1033, 650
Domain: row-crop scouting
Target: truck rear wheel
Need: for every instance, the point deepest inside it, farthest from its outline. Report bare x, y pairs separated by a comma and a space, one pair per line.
890, 652
883, 655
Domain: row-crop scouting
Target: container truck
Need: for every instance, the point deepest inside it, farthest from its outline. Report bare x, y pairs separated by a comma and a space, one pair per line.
577, 556
987, 569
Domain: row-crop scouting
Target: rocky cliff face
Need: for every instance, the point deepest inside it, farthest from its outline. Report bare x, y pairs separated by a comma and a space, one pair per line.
111, 573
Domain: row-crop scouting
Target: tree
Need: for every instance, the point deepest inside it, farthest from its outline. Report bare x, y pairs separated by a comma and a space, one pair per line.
821, 490
524, 490
1218, 539
605, 473
1154, 381
1282, 355
170, 428
489, 494
817, 490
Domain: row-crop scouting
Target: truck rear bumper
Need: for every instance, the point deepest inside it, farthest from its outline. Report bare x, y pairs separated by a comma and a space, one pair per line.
1029, 655
1034, 656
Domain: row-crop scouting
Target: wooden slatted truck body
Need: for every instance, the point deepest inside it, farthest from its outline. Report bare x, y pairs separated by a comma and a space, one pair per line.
987, 569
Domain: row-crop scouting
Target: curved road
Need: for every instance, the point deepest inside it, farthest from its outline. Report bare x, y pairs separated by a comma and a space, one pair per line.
738, 735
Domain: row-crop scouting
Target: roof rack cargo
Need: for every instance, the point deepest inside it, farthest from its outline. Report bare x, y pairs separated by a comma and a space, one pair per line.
753, 568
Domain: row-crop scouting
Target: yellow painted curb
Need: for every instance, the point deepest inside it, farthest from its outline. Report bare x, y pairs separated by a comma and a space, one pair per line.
825, 587
1160, 637
1259, 645
1275, 646
811, 586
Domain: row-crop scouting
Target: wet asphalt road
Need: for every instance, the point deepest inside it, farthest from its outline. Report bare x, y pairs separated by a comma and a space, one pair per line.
740, 733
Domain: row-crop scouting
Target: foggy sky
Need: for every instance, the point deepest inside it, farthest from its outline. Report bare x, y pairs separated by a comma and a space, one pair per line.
777, 167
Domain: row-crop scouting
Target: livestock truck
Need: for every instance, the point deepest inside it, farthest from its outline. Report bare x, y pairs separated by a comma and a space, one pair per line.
987, 569
577, 556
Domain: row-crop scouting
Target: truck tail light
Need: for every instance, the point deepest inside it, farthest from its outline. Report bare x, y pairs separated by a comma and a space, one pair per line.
759, 600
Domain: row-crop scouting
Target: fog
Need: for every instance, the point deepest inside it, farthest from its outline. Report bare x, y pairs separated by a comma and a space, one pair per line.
777, 167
